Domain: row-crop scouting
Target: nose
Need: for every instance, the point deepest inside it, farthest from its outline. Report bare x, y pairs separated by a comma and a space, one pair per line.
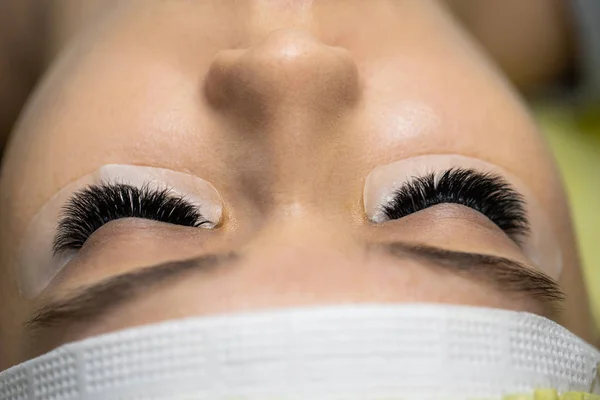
281, 105
288, 72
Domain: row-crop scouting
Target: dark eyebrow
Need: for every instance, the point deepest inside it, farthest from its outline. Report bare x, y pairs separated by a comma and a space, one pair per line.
504, 274
93, 300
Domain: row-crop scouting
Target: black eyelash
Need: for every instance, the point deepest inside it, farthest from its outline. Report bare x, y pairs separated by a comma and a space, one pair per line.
484, 192
91, 208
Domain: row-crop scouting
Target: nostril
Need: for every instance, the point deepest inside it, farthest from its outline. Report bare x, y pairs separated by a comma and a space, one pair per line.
217, 85
289, 67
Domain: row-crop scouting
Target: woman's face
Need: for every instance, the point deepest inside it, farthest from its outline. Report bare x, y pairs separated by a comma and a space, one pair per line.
339, 151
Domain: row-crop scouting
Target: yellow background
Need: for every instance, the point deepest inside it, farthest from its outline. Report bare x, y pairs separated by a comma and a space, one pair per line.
575, 140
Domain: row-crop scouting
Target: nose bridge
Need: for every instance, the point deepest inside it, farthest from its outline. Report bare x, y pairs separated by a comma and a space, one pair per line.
306, 237
286, 96
314, 226
289, 70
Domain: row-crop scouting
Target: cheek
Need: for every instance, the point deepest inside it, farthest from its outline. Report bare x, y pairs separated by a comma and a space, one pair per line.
442, 96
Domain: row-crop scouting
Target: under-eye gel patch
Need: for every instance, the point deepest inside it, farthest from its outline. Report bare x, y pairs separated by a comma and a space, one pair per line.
39, 261
422, 181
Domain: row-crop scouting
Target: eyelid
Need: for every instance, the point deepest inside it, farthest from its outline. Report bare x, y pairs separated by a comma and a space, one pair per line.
36, 266
487, 193
541, 246
95, 206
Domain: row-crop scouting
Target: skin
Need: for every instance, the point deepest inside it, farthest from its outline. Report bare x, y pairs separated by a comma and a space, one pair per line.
285, 107
533, 42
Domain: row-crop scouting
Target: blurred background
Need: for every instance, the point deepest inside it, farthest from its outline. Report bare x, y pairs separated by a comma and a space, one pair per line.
575, 139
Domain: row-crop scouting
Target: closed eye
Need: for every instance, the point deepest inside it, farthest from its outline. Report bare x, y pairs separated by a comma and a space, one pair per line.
91, 208
484, 192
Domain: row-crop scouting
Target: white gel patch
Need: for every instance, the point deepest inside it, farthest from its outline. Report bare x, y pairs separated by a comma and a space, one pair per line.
37, 266
541, 247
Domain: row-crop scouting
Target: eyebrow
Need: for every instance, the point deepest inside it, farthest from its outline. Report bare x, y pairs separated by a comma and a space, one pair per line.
507, 275
100, 297
504, 274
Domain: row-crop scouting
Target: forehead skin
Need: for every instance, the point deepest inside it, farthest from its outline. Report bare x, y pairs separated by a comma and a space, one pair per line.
283, 140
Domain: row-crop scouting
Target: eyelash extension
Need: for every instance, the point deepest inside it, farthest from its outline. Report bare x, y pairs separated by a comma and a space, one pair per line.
92, 207
486, 193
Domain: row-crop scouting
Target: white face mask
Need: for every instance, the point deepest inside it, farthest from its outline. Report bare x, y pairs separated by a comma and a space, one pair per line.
409, 351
